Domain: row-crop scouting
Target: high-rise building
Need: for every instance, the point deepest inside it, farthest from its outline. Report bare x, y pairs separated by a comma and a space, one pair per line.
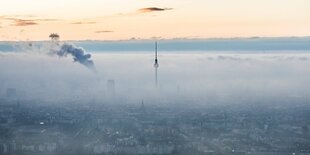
305, 131
11, 92
111, 87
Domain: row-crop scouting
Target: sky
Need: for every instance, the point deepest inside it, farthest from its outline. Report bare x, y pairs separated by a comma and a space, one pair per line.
149, 19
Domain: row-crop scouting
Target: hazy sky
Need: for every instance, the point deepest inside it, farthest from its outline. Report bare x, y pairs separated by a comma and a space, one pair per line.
125, 19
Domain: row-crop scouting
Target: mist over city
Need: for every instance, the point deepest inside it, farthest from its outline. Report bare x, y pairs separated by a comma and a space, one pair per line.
155, 77
198, 98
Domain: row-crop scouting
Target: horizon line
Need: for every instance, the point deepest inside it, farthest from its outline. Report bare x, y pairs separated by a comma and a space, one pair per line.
164, 39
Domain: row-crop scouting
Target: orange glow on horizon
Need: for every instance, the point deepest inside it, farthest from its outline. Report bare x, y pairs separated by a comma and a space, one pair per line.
117, 20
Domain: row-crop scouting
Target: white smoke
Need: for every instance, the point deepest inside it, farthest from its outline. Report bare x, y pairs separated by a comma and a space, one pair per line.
78, 54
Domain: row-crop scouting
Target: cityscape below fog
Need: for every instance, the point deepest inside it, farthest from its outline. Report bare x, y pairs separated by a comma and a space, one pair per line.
152, 127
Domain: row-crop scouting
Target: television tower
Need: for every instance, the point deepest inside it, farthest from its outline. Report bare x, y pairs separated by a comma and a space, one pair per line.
156, 64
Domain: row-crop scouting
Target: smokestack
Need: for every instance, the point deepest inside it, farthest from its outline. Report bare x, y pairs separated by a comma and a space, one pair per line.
78, 53
54, 36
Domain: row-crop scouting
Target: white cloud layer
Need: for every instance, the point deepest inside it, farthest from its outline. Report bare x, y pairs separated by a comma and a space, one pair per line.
205, 78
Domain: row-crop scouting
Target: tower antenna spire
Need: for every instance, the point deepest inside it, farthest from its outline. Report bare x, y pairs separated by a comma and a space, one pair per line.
155, 51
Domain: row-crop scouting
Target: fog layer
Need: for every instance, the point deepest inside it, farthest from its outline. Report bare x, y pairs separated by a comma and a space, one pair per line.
207, 78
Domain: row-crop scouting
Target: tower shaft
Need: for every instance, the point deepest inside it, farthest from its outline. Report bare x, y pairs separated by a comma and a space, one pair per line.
156, 65
156, 81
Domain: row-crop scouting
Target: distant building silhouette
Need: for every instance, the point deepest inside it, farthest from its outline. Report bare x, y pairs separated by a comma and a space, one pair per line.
11, 92
111, 87
305, 131
142, 107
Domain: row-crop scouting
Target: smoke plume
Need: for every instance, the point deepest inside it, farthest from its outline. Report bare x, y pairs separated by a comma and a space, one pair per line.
78, 54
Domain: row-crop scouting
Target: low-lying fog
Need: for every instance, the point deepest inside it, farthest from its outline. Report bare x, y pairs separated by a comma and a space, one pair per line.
203, 77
